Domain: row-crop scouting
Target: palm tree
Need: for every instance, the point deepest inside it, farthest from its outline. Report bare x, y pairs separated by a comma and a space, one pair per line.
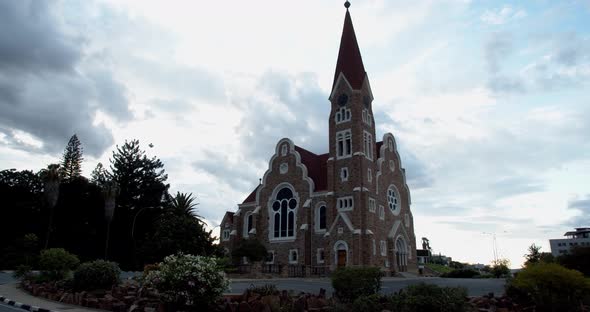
51, 180
184, 203
110, 191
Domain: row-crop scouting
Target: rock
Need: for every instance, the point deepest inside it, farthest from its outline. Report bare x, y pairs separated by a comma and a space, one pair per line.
300, 304
244, 307
128, 299
272, 301
119, 307
258, 306
91, 302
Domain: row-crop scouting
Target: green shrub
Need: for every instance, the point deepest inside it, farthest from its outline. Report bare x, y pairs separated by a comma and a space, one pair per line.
56, 263
22, 272
550, 287
425, 297
370, 303
252, 249
351, 283
461, 273
98, 274
188, 282
500, 267
264, 290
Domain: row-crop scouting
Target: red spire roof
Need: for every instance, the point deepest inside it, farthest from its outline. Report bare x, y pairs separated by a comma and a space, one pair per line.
349, 61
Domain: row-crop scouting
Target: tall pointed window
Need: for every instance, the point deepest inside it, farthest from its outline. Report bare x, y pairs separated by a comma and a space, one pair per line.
320, 218
248, 224
283, 214
343, 144
368, 145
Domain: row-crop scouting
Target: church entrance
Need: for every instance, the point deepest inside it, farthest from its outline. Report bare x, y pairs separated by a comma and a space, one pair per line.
341, 258
341, 254
401, 255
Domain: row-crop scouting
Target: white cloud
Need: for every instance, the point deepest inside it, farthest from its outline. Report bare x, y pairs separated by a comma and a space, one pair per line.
502, 15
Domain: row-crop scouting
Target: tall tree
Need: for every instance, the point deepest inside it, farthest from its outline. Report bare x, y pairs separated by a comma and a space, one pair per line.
71, 164
22, 200
184, 203
51, 180
100, 176
141, 180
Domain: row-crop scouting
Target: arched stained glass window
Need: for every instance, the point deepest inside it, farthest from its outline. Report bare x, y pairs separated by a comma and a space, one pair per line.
283, 210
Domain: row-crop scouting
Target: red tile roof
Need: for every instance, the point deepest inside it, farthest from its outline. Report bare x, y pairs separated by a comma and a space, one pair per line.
317, 169
378, 146
230, 216
349, 61
252, 196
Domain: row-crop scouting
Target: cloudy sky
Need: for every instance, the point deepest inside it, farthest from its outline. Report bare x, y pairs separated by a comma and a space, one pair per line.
489, 101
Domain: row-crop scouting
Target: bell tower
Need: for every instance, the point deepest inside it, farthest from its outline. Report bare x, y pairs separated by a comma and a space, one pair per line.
351, 165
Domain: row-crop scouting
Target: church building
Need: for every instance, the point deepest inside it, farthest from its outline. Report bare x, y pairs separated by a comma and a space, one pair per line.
349, 206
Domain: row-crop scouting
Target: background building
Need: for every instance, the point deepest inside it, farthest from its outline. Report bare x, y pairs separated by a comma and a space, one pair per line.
578, 238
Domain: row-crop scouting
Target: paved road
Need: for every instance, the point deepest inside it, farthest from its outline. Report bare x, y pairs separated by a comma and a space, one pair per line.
6, 278
7, 308
475, 287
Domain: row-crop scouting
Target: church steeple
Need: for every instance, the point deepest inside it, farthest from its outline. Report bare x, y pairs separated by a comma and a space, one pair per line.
349, 63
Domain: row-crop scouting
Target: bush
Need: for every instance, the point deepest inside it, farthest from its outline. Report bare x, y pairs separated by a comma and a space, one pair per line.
550, 287
370, 303
500, 268
251, 249
56, 263
264, 290
351, 283
461, 273
187, 280
22, 272
98, 274
425, 297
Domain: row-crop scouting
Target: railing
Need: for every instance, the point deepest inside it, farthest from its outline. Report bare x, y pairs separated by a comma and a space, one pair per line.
296, 270
319, 270
244, 268
271, 268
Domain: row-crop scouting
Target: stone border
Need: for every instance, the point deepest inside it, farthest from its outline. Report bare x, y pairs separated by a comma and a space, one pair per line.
23, 306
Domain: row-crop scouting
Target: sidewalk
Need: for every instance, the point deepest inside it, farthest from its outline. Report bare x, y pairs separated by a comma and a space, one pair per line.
10, 291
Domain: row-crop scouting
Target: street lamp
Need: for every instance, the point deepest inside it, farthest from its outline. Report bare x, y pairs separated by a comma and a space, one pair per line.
494, 244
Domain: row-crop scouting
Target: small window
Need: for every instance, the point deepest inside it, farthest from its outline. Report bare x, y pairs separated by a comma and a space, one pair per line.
343, 144
340, 230
293, 256
407, 220
345, 203
383, 246
270, 257
368, 145
369, 175
320, 255
381, 212
374, 247
225, 235
344, 174
372, 205
342, 115
284, 150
